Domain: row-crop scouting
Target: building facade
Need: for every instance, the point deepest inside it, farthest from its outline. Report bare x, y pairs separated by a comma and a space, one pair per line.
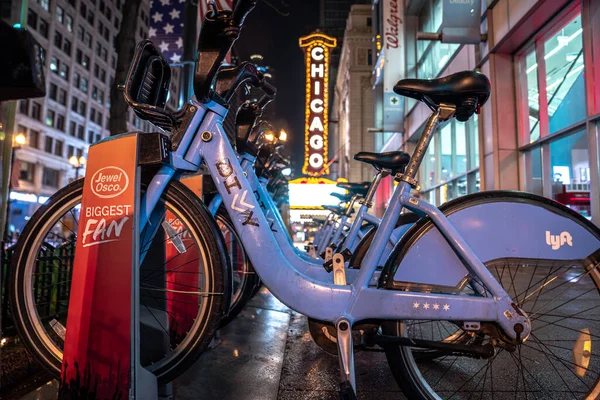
333, 18
77, 37
352, 106
538, 132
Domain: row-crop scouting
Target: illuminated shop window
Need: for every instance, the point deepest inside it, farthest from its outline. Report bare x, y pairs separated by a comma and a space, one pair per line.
570, 172
531, 92
553, 71
565, 88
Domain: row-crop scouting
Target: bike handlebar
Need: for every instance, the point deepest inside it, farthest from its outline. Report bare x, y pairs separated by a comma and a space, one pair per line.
229, 79
241, 10
219, 32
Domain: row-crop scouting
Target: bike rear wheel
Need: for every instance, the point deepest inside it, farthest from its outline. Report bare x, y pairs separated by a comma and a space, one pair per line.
182, 294
557, 361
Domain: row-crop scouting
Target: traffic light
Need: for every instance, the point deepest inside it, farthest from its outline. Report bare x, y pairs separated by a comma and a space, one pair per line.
22, 66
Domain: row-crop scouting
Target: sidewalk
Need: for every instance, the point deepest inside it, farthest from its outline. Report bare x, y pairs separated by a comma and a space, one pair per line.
266, 353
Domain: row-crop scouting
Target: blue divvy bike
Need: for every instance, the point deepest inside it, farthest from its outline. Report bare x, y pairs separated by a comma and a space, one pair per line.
493, 295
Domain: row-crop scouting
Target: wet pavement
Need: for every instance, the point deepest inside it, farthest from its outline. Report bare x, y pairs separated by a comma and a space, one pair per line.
267, 353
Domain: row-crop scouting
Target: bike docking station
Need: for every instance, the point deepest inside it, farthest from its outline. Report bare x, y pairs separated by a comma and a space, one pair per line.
102, 350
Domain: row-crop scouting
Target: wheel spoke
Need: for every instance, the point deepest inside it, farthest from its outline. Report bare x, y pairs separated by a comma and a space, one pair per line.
557, 296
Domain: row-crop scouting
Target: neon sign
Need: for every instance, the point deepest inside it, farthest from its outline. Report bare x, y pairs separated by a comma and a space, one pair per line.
316, 49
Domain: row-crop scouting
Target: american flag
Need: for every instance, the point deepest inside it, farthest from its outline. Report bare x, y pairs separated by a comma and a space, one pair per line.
221, 5
166, 25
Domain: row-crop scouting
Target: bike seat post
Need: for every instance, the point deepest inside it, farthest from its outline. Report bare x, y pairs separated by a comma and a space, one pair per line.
351, 205
368, 200
441, 113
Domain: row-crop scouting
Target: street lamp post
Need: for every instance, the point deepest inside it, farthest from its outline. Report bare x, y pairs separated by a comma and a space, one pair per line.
77, 163
19, 140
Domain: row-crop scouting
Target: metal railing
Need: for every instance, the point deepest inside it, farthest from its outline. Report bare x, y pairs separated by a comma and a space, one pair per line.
51, 282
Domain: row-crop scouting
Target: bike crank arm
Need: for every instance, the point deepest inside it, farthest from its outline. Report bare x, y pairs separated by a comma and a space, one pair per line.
479, 351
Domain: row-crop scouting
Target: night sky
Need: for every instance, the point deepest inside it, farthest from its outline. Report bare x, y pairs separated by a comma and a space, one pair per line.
275, 36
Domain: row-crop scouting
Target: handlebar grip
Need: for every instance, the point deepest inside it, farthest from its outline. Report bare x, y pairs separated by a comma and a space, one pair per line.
269, 89
241, 10
229, 79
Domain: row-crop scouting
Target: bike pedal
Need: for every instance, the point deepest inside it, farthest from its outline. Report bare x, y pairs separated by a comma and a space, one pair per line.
347, 391
328, 265
347, 254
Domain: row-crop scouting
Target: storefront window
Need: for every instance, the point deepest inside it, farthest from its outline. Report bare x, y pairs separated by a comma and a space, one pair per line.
473, 143
557, 167
570, 167
565, 88
428, 166
459, 155
435, 58
432, 56
450, 167
533, 171
446, 156
533, 97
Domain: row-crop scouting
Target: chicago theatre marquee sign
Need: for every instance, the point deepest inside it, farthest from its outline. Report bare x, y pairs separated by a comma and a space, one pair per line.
316, 49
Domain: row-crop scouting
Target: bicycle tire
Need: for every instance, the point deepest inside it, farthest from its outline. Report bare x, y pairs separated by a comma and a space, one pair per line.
249, 278
544, 366
205, 230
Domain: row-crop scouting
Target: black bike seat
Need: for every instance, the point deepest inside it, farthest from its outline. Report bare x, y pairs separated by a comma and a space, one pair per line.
343, 197
334, 209
355, 188
458, 89
393, 160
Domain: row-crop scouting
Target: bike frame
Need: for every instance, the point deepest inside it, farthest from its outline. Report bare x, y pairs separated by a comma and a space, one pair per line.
205, 141
301, 261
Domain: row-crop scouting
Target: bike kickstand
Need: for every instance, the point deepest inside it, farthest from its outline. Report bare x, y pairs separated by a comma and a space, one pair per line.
346, 359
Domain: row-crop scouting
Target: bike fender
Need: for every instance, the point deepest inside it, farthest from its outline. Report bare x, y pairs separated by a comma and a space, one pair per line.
496, 225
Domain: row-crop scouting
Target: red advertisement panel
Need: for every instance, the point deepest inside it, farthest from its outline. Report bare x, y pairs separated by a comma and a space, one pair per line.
96, 362
183, 274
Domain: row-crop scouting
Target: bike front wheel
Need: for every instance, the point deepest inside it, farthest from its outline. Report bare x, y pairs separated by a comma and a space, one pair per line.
181, 290
243, 277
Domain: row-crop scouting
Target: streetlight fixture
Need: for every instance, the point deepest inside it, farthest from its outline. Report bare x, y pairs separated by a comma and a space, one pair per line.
77, 163
283, 135
20, 140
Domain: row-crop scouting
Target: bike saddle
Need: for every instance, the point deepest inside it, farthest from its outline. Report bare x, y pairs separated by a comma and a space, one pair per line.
392, 160
344, 198
355, 188
466, 90
334, 209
